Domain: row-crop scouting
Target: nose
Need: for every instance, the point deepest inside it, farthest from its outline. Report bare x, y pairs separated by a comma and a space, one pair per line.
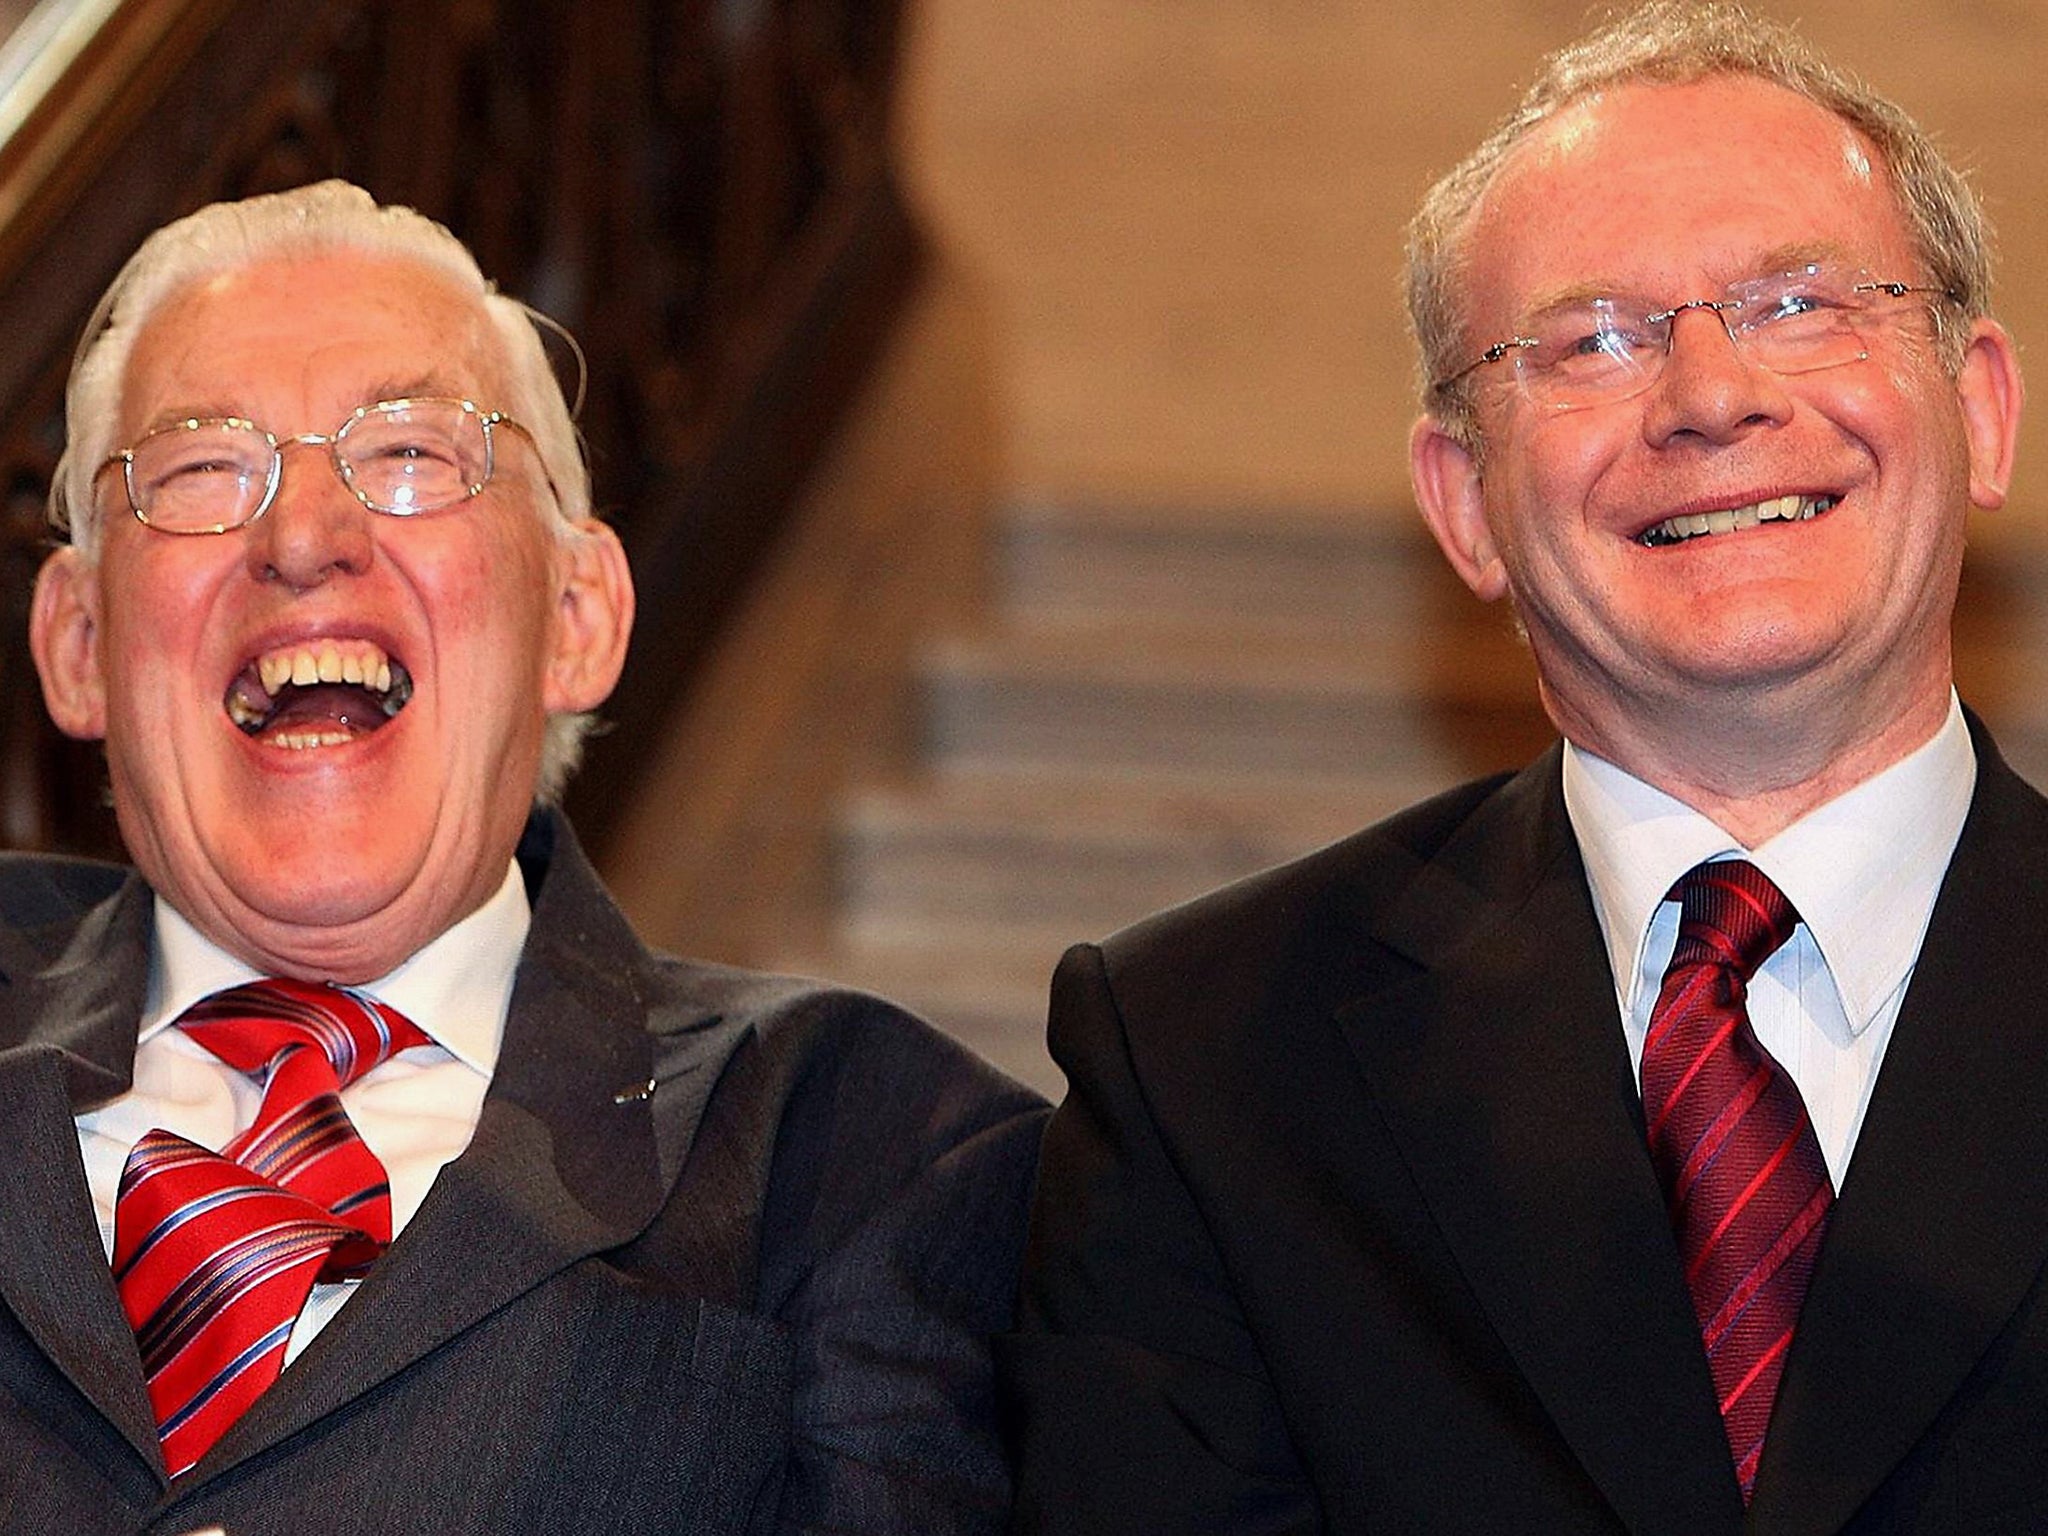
314, 528
1708, 390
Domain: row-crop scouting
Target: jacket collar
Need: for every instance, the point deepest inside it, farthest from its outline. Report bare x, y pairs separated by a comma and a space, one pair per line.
1498, 1066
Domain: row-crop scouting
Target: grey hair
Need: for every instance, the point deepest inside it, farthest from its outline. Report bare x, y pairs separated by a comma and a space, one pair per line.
323, 218
1677, 42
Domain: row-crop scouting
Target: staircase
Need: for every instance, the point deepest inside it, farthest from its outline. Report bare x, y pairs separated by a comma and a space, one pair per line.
1157, 702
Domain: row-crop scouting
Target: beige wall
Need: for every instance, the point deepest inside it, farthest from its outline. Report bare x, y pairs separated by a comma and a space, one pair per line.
1184, 215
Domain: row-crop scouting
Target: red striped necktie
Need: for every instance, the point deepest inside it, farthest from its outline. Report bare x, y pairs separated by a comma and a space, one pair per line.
214, 1255
1742, 1171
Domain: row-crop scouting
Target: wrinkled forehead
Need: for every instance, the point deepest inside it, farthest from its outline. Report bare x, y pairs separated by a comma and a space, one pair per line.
296, 342
1673, 191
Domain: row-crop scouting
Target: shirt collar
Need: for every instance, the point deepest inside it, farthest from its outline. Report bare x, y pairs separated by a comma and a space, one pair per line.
1862, 870
457, 989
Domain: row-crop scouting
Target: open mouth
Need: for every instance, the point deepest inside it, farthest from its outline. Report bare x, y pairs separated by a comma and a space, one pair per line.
1779, 509
324, 693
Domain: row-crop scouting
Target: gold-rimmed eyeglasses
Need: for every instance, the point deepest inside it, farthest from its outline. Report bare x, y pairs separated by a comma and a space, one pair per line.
213, 474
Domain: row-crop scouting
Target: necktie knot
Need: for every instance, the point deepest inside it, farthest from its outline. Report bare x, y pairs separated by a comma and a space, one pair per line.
248, 1026
1731, 915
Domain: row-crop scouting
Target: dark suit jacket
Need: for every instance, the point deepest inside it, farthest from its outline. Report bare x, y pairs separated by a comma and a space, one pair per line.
1347, 1223
754, 1300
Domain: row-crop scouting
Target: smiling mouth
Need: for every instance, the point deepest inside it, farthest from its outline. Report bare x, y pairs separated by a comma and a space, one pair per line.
325, 693
1780, 509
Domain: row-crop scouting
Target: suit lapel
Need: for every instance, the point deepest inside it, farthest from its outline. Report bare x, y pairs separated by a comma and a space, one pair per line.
1942, 1223
1500, 1069
68, 1029
573, 1156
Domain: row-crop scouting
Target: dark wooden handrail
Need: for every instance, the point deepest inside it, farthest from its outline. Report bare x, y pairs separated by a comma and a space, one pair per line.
701, 192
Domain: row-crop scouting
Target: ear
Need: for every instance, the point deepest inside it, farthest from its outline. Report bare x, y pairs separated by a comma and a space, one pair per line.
64, 636
1991, 392
593, 620
1453, 503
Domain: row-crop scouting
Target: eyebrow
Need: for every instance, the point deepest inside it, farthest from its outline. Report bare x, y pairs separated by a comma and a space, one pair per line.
417, 386
1782, 258
1574, 297
1809, 253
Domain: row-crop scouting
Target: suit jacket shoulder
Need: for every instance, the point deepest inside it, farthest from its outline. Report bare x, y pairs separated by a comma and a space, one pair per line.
44, 900
1290, 945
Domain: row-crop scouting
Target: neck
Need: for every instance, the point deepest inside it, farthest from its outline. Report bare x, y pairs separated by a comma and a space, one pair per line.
1753, 771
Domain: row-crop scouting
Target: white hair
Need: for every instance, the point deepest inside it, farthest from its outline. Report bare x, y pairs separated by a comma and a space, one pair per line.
323, 218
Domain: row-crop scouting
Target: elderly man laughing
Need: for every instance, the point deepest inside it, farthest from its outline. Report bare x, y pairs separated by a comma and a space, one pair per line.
366, 1173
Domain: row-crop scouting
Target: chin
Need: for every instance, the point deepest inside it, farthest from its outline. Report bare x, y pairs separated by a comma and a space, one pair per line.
340, 934
1776, 661
313, 881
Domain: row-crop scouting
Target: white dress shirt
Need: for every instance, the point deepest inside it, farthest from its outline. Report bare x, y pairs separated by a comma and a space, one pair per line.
1862, 870
416, 1111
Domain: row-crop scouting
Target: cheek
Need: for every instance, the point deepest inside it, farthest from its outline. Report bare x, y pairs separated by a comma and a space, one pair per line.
152, 624
1867, 405
487, 610
1571, 452
1902, 400
1546, 482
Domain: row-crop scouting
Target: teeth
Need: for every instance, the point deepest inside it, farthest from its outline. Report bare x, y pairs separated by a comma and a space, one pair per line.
330, 661
1789, 509
1785, 509
300, 741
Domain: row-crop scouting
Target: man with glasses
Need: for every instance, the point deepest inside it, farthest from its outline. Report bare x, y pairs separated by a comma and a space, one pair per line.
364, 1172
1651, 1141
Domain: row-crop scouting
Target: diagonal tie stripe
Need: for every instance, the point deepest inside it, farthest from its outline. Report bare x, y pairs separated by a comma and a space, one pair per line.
229, 1379
1741, 1169
1736, 1303
284, 1151
1716, 1135
215, 1254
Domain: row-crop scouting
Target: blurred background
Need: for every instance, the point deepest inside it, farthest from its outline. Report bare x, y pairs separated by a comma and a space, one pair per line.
1004, 406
